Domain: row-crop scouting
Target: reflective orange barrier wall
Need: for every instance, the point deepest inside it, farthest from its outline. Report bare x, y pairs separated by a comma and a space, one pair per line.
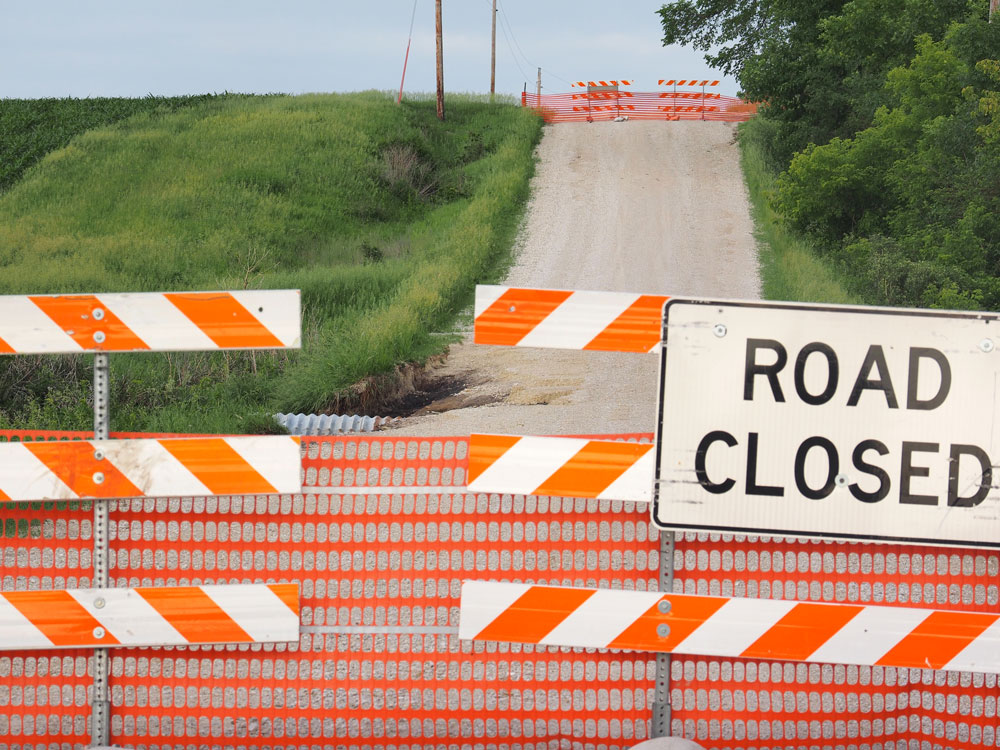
379, 663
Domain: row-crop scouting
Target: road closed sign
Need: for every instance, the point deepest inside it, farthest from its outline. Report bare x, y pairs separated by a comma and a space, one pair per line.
829, 421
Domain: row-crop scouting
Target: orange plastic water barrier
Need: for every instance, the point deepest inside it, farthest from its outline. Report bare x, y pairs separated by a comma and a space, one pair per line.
379, 663
637, 105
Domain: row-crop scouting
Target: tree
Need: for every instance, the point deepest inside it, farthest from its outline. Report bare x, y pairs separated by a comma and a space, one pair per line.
708, 24
816, 65
911, 205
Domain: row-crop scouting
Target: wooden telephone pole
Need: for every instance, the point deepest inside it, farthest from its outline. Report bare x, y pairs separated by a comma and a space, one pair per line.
440, 60
493, 53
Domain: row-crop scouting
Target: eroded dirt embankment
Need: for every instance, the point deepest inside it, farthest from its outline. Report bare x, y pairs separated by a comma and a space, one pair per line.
652, 207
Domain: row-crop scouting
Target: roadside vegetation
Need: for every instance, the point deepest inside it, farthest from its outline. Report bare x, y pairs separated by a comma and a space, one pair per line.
877, 148
791, 270
383, 216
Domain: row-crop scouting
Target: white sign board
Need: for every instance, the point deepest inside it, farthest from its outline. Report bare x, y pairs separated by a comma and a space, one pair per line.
829, 421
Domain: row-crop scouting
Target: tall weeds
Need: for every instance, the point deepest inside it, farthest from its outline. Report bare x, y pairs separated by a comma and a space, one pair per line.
790, 269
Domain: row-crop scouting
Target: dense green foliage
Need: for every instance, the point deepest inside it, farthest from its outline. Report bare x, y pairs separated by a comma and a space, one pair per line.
790, 269
879, 114
911, 205
817, 66
383, 216
31, 128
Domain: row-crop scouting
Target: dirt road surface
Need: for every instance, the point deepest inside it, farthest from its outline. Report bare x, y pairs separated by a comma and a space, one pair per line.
649, 207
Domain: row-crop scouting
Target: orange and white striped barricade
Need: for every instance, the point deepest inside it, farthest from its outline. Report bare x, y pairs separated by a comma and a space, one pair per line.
610, 89
561, 467
160, 616
691, 83
562, 319
185, 467
161, 322
103, 470
908, 637
512, 464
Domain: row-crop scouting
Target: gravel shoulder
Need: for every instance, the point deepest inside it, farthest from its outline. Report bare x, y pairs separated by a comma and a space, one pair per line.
650, 207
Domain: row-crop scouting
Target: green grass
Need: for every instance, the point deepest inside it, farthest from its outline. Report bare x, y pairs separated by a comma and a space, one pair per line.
383, 216
790, 269
31, 128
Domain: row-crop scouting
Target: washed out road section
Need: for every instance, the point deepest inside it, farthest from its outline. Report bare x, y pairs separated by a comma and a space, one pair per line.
647, 207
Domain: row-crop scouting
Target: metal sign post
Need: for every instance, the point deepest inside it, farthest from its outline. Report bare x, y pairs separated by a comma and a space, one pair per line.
661, 691
101, 701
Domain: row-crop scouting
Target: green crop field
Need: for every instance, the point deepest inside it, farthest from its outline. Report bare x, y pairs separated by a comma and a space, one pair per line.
383, 216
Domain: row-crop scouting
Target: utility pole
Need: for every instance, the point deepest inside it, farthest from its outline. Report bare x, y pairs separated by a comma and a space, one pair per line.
538, 90
440, 60
493, 53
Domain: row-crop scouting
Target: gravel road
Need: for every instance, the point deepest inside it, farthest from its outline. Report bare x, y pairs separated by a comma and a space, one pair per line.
651, 207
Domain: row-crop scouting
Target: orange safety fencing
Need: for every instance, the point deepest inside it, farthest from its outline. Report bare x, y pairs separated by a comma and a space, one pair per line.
636, 105
379, 543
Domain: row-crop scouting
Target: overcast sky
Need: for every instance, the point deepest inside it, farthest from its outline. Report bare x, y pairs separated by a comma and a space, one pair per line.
138, 47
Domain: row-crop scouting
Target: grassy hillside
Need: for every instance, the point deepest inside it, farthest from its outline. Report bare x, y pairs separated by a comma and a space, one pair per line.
383, 216
31, 128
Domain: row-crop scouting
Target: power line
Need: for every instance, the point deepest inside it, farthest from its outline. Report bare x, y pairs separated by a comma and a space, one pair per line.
506, 22
513, 55
511, 38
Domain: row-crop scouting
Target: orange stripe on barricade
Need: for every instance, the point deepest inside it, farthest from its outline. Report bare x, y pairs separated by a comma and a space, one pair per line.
289, 595
224, 320
59, 617
77, 466
6, 348
84, 317
194, 615
638, 329
683, 618
593, 469
535, 614
484, 450
216, 465
515, 313
938, 639
801, 632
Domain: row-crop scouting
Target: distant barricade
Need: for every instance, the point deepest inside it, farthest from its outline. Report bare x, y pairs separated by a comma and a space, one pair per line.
639, 105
